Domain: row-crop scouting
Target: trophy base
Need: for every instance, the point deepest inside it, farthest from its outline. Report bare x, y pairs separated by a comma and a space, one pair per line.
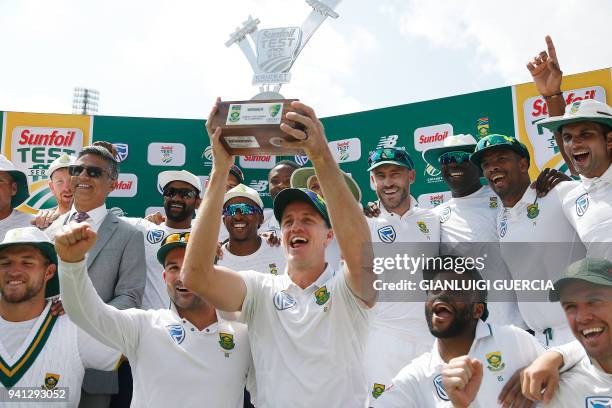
253, 127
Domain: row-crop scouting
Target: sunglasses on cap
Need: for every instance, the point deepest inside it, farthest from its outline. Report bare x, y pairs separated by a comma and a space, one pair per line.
182, 192
386, 153
92, 171
454, 156
245, 209
176, 237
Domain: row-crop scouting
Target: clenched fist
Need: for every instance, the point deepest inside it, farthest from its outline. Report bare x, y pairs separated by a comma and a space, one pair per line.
74, 241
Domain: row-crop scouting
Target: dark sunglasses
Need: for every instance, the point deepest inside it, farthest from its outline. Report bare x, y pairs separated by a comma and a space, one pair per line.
92, 171
454, 156
386, 153
245, 209
182, 192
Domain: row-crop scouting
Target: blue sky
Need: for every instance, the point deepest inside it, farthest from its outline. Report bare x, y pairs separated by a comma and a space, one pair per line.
168, 59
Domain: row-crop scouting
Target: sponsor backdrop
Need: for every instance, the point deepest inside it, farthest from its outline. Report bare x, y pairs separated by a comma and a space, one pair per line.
148, 146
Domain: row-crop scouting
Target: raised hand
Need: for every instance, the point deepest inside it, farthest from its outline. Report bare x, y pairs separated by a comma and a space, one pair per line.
545, 70
74, 241
462, 377
312, 139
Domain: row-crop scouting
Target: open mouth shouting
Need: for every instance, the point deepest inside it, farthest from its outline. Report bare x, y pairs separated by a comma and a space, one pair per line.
442, 312
592, 334
498, 179
581, 157
298, 242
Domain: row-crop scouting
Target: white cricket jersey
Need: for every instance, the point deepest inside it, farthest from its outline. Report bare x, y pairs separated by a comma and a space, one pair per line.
584, 385
501, 349
399, 330
155, 294
552, 246
54, 355
468, 228
307, 344
17, 219
588, 206
173, 363
267, 259
270, 223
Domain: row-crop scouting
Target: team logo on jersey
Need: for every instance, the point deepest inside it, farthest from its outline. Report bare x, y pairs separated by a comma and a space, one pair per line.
439, 386
582, 204
532, 211
423, 227
377, 390
273, 269
598, 402
445, 214
503, 227
155, 236
322, 295
495, 361
177, 332
51, 381
386, 234
283, 301
226, 341
492, 202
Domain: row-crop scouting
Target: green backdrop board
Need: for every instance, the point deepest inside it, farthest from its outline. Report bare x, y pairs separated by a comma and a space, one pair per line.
149, 146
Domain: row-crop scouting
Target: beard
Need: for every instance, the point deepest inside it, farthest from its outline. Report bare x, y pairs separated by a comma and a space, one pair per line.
392, 204
459, 323
185, 213
31, 291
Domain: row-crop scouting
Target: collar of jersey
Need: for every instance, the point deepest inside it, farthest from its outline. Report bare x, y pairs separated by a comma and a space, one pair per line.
11, 374
528, 198
482, 330
386, 214
212, 328
327, 274
589, 183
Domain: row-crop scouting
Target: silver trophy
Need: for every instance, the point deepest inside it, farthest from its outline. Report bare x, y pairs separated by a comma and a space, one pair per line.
272, 52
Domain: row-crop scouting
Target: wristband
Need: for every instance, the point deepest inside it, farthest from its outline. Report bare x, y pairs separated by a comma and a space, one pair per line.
552, 96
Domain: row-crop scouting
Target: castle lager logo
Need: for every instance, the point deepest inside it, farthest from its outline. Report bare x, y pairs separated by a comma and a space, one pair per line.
33, 141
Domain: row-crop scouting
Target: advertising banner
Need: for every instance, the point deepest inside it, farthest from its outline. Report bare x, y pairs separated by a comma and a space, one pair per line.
148, 146
33, 140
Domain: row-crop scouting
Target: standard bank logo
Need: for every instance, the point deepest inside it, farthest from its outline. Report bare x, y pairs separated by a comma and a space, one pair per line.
387, 234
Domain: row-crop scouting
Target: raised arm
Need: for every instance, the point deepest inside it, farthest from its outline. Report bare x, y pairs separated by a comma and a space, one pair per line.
348, 222
220, 286
115, 328
547, 77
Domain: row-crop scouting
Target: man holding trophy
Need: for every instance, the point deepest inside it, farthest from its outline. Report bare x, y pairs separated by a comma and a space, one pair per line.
307, 327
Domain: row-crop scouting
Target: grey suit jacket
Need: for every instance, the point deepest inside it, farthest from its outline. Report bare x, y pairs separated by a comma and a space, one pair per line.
117, 268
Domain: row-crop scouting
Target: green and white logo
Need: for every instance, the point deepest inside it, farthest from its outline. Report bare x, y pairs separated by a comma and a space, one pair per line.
234, 114
274, 109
